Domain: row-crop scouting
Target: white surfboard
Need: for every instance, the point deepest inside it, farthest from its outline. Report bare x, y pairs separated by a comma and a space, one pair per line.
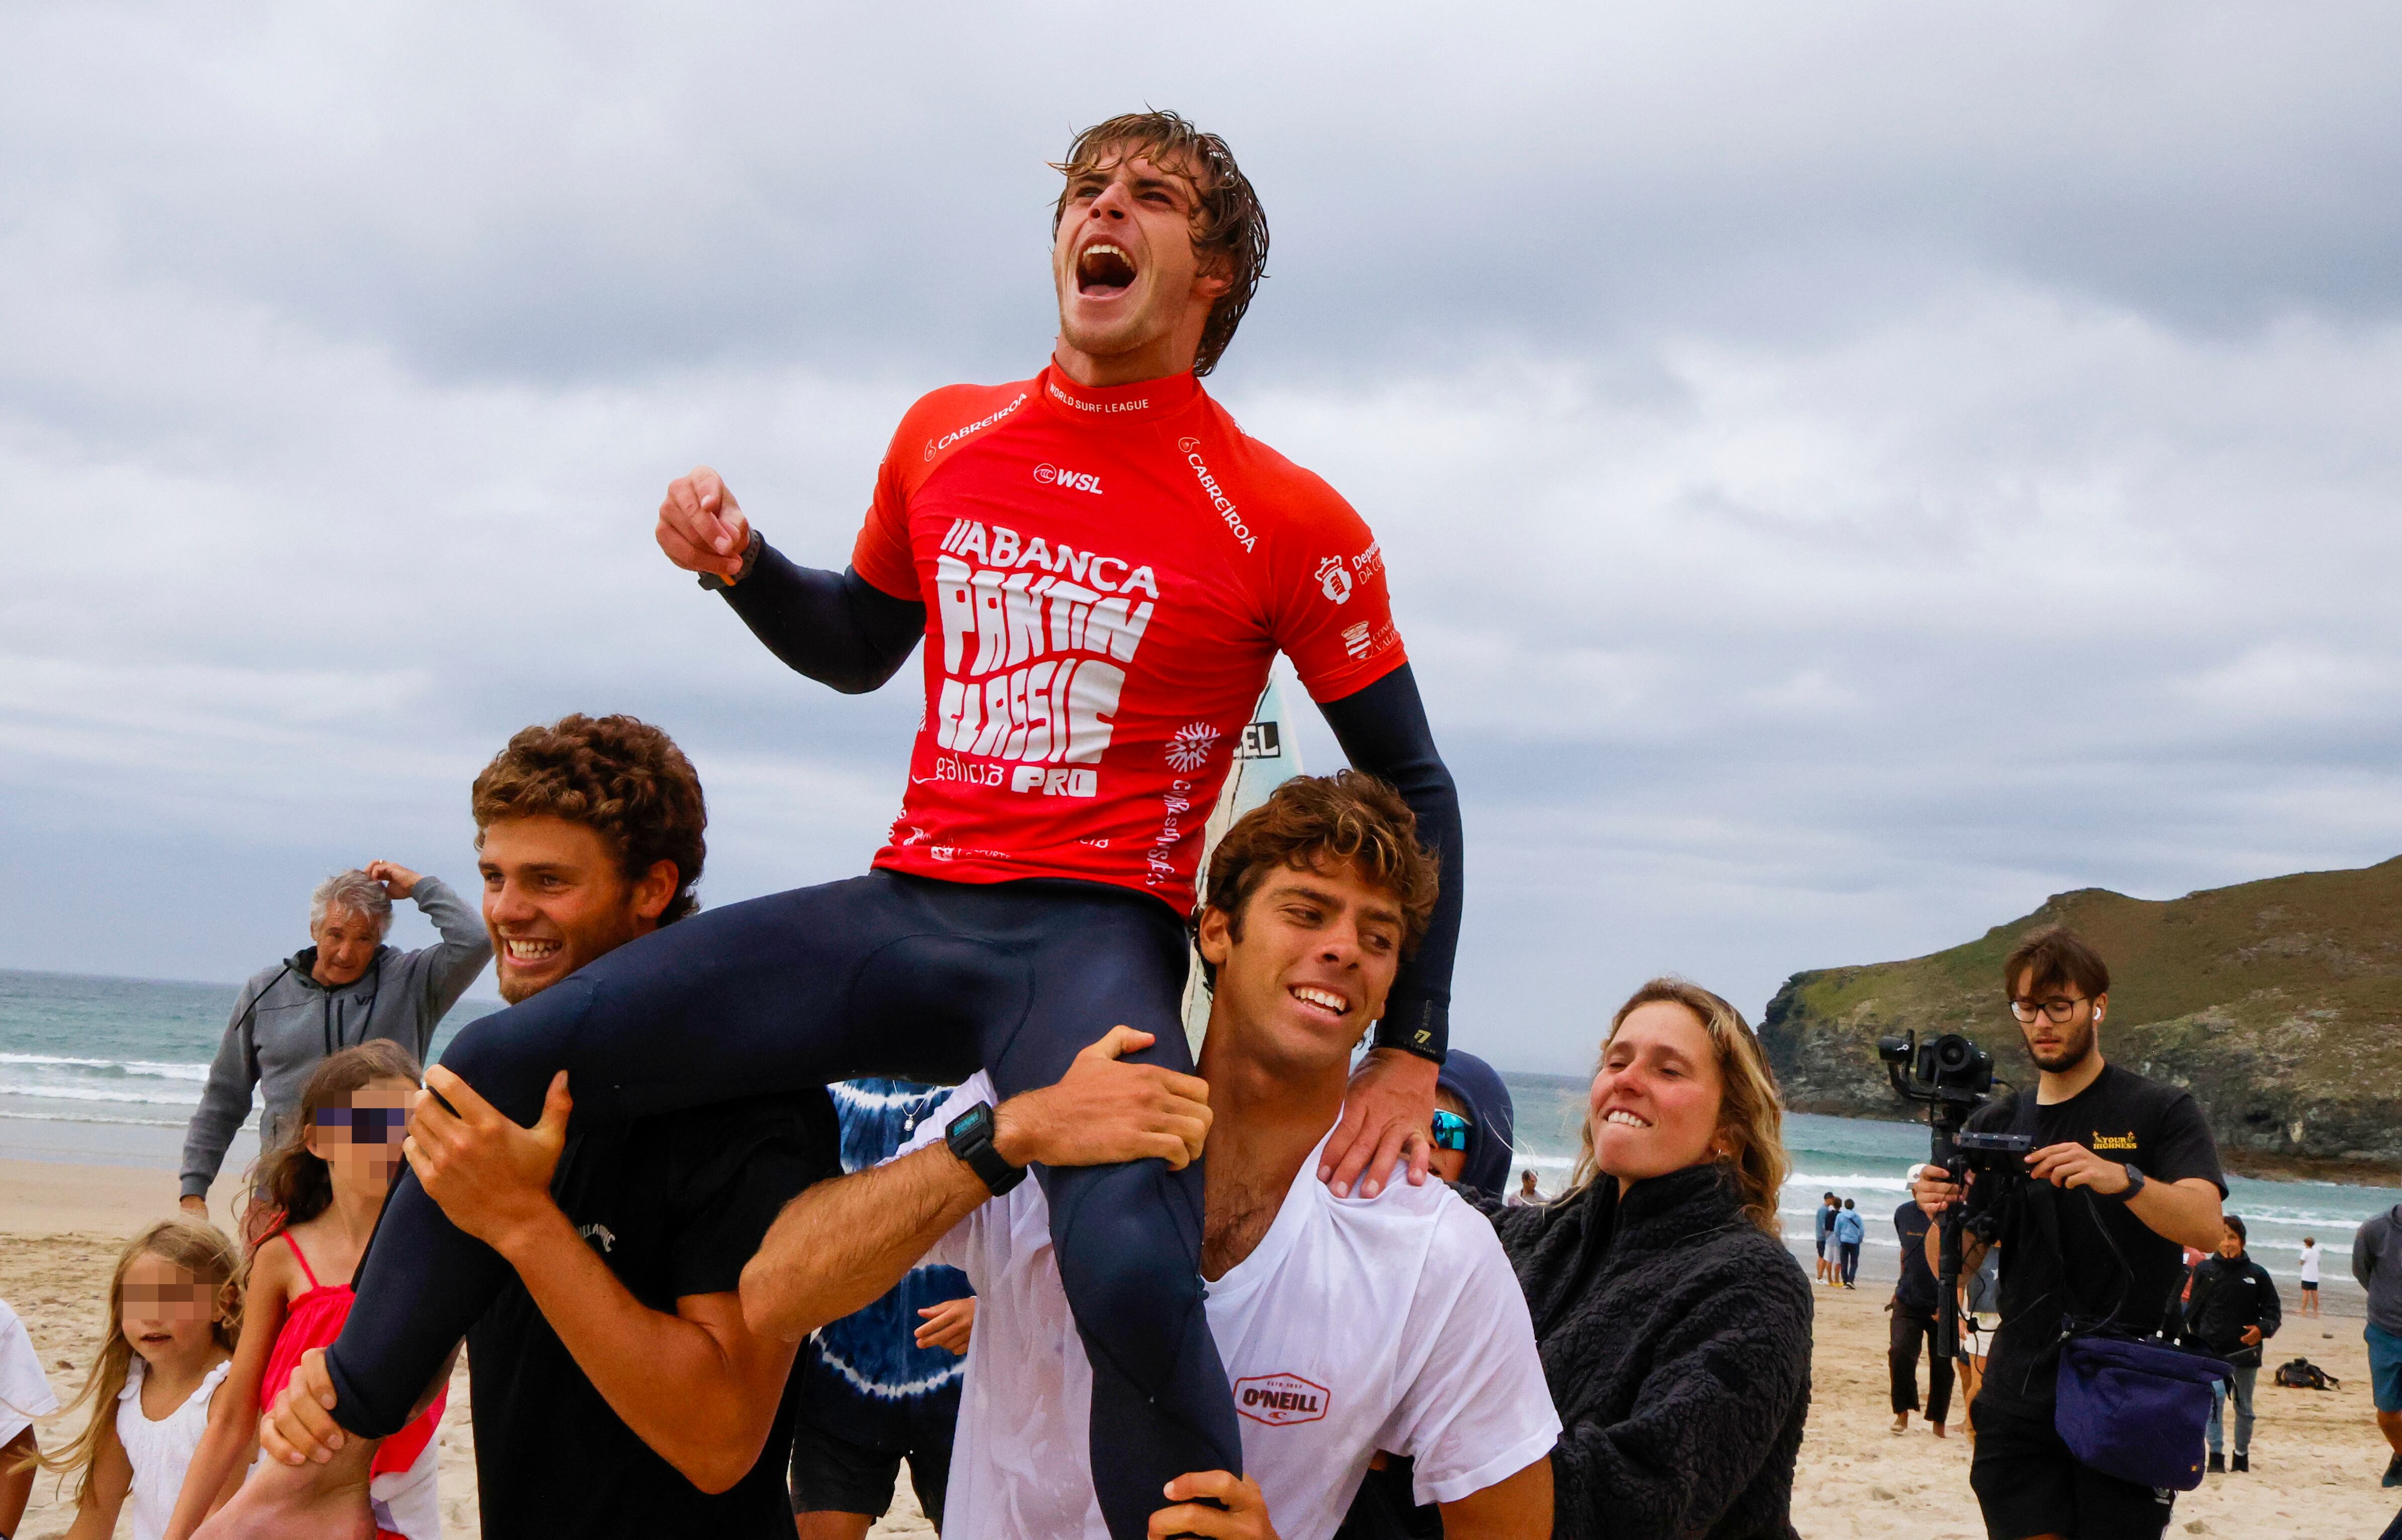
1267, 756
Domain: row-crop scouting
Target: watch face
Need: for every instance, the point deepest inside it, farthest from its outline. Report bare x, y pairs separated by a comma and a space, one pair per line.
972, 1123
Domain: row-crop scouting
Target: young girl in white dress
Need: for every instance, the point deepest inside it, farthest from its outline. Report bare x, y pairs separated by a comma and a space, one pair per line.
174, 1312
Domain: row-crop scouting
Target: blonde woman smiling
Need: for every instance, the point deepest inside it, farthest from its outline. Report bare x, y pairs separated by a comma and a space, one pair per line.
1674, 1325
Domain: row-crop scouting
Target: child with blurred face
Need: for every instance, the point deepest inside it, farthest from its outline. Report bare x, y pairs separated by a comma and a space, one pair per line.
322, 1189
172, 1309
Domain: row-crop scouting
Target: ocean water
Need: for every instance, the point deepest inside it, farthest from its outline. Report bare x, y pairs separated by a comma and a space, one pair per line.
108, 1070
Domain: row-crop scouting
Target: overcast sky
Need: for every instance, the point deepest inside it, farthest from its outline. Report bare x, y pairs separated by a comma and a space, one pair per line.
1847, 471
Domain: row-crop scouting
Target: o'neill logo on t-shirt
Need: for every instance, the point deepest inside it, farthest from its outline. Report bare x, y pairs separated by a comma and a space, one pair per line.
1277, 1399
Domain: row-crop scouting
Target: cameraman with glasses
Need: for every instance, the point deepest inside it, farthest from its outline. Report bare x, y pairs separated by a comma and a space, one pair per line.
2124, 1174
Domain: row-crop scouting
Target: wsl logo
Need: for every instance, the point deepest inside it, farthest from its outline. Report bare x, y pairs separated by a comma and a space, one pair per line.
1280, 1399
1068, 481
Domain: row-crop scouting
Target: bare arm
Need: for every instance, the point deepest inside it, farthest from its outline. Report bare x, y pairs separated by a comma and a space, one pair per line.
841, 1244
1516, 1508
17, 1478
225, 1448
104, 1490
698, 1386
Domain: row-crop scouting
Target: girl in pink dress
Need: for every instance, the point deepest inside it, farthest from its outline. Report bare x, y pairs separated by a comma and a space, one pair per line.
325, 1185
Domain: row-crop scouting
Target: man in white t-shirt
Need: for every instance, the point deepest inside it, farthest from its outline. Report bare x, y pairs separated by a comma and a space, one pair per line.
1347, 1324
2310, 1275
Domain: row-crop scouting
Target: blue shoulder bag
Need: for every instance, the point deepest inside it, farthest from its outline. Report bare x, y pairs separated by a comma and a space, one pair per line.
2128, 1405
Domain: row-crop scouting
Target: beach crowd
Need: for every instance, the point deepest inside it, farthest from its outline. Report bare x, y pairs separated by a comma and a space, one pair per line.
729, 1209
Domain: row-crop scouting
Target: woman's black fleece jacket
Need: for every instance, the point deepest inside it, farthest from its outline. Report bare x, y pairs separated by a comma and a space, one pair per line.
1675, 1339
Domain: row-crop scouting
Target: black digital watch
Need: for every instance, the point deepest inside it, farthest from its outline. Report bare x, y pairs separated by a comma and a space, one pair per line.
970, 1138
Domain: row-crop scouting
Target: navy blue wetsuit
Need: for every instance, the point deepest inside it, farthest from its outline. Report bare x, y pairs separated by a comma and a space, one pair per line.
1048, 750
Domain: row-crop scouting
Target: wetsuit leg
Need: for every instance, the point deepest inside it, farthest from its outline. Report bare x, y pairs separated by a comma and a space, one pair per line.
746, 1000
1127, 1238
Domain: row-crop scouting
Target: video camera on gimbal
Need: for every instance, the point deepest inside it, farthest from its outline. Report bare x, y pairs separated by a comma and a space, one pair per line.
1951, 1077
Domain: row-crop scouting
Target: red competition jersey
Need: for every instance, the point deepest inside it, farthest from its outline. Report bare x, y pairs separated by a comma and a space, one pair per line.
1108, 575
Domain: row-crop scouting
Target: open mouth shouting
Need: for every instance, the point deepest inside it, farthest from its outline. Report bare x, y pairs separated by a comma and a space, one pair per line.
1324, 1005
1104, 270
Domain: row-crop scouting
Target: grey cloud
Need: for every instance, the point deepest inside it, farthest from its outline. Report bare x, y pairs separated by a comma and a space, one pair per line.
1844, 473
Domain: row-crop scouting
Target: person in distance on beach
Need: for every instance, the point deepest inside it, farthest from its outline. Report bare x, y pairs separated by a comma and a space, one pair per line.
1830, 1207
1673, 1325
2233, 1310
2309, 1262
1102, 567
1525, 1194
1915, 1295
1851, 1231
344, 988
1343, 1321
616, 1390
2126, 1166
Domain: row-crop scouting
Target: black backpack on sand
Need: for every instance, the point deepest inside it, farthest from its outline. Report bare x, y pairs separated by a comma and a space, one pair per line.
2301, 1374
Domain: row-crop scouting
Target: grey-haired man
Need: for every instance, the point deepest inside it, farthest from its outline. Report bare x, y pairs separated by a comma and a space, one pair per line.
343, 988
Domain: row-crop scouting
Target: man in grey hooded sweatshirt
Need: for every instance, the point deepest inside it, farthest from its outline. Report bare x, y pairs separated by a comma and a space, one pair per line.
342, 989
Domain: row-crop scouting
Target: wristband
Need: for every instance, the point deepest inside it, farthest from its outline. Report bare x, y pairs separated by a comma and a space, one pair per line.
970, 1138
1425, 1037
2134, 1185
750, 563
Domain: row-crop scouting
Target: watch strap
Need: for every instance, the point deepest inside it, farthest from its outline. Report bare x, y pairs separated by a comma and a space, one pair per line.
968, 1136
750, 563
2136, 1180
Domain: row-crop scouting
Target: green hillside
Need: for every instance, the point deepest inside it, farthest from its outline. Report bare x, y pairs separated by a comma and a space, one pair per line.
2277, 1003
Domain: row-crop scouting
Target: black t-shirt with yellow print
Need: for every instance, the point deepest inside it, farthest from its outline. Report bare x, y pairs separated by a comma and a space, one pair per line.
2155, 1128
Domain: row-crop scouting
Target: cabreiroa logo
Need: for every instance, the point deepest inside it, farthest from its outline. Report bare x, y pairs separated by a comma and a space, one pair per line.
1277, 1399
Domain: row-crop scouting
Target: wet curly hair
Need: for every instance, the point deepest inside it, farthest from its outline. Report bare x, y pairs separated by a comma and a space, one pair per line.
616, 775
1312, 822
1229, 226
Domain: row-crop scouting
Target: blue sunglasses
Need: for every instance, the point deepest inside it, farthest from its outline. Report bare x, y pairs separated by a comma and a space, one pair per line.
1451, 1131
371, 1125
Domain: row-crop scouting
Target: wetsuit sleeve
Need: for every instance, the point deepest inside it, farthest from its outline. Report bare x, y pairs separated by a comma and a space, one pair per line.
836, 627
1383, 731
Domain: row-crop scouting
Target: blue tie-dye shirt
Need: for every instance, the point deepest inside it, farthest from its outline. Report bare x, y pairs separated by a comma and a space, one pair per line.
868, 1365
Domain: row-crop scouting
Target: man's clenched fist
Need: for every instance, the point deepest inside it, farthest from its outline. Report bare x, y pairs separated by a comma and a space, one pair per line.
701, 527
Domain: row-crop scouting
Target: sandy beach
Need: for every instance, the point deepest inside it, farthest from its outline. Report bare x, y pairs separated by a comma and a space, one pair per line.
2316, 1456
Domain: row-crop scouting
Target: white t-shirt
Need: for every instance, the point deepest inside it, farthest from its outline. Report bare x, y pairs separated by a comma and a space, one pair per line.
25, 1390
1357, 1325
2310, 1263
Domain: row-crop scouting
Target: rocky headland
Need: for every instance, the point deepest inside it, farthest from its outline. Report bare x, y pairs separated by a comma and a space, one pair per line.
2277, 1003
